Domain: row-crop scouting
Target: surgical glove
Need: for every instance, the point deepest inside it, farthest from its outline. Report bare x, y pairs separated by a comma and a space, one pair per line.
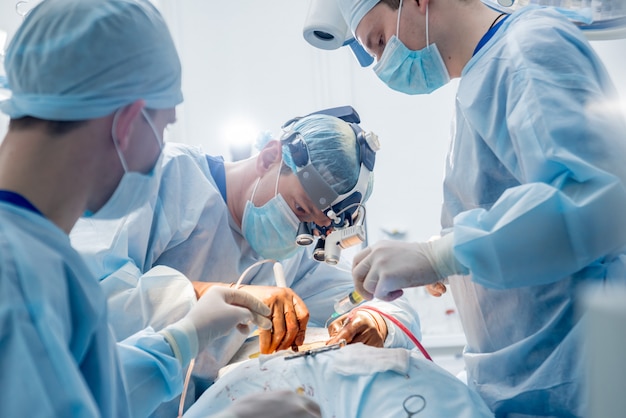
215, 314
359, 326
436, 289
383, 270
289, 316
277, 404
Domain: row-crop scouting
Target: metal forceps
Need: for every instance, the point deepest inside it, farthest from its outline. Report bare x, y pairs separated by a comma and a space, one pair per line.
413, 405
314, 351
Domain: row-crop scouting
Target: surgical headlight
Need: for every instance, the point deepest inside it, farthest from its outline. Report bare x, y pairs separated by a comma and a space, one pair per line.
325, 28
346, 211
342, 209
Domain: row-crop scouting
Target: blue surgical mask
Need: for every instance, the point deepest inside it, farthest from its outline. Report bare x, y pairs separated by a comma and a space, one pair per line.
134, 189
411, 72
271, 229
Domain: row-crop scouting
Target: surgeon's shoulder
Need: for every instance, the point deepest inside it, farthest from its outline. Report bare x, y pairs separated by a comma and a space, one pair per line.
544, 39
540, 26
179, 150
176, 153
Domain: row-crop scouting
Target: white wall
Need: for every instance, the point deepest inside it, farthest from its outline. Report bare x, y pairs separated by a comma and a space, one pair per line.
247, 59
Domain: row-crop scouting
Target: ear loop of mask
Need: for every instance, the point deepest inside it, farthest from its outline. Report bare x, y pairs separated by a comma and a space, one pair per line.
277, 178
151, 125
116, 141
280, 166
398, 24
427, 40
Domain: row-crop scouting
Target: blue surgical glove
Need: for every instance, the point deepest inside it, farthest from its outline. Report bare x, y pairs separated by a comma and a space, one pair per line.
384, 269
217, 313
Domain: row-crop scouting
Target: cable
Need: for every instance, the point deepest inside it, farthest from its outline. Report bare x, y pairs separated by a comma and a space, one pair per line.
181, 405
246, 271
277, 269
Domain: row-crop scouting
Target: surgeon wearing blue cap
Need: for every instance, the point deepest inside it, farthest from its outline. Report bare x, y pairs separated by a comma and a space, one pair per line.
94, 83
534, 191
213, 220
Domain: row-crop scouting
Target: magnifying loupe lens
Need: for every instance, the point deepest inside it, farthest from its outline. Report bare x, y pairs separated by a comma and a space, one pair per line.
304, 236
318, 252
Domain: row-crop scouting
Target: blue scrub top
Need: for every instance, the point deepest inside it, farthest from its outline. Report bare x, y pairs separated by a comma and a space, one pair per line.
18, 200
492, 30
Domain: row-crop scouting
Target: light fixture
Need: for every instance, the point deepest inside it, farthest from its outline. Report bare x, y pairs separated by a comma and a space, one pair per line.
240, 134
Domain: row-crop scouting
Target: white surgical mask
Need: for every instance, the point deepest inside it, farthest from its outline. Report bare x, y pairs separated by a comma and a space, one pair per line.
411, 72
135, 188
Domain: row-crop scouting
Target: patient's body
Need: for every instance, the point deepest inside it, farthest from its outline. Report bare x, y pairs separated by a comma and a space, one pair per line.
352, 381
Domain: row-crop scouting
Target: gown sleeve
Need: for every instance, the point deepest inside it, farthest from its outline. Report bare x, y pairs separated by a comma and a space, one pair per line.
550, 119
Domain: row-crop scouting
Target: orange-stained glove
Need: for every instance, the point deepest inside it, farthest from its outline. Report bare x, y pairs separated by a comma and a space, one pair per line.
289, 318
436, 289
359, 326
289, 315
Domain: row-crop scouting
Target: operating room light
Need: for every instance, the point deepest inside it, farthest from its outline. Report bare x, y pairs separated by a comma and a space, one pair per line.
240, 134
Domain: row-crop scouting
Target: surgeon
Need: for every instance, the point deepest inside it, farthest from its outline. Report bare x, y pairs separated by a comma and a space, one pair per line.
212, 220
94, 83
534, 189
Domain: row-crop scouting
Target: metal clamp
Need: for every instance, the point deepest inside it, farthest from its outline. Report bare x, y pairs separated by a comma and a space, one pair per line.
314, 351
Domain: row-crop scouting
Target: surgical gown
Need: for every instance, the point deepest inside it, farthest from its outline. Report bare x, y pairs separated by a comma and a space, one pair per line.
58, 357
187, 226
535, 194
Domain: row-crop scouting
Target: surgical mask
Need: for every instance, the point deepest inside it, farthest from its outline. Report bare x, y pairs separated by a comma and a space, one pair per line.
270, 229
411, 72
135, 188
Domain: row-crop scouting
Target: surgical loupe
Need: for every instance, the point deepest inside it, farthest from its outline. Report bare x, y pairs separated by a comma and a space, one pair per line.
304, 236
340, 239
346, 211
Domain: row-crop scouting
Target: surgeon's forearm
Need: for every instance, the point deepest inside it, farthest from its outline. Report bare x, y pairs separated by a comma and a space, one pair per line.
402, 310
152, 373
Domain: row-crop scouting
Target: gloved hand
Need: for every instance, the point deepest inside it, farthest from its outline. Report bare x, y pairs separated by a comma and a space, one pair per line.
289, 316
436, 289
359, 326
383, 270
277, 404
215, 314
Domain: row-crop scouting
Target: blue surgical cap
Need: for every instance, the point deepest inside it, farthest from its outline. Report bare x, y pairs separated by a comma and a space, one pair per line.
354, 10
333, 150
82, 59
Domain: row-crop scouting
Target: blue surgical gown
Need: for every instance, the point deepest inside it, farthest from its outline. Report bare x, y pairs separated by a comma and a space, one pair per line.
535, 194
58, 357
187, 226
